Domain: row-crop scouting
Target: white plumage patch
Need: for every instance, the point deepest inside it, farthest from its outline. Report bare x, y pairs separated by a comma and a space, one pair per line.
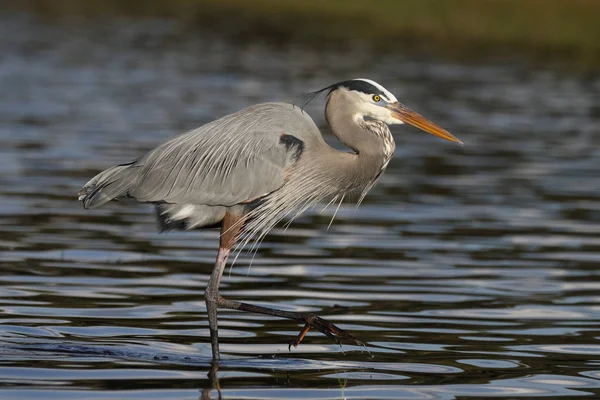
367, 108
188, 216
390, 97
184, 212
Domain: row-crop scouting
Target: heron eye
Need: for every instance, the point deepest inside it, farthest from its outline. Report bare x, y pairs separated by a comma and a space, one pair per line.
376, 98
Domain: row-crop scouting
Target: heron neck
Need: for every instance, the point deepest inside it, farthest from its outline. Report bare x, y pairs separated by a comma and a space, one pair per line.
346, 127
366, 139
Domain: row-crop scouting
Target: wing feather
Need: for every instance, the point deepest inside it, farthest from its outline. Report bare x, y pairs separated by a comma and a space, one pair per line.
229, 161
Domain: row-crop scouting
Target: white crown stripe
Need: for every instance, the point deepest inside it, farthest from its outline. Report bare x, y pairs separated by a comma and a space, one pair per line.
387, 93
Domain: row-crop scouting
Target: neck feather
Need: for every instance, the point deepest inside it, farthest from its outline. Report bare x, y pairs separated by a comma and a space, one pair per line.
371, 141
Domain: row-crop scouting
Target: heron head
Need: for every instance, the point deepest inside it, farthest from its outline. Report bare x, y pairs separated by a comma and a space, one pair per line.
368, 99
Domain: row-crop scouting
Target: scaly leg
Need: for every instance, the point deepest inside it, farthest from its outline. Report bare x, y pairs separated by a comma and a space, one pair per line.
310, 320
229, 232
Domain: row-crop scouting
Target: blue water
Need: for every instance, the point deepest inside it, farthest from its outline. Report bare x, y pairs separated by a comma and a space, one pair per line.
471, 272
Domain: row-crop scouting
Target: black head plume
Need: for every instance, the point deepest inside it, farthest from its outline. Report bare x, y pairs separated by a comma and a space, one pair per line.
358, 85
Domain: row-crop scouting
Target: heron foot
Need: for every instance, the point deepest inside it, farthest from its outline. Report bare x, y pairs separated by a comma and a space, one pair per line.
311, 321
327, 328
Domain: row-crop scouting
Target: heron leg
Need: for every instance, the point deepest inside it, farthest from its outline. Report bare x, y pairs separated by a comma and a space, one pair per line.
229, 231
310, 320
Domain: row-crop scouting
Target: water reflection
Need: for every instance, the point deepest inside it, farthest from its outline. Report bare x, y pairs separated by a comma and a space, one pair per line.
471, 272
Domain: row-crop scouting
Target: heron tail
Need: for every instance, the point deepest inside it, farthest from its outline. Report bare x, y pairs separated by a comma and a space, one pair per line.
109, 184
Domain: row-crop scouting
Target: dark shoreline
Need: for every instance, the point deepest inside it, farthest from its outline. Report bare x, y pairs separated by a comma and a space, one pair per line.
562, 32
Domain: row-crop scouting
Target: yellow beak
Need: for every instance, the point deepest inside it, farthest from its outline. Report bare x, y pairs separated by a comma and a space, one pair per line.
408, 116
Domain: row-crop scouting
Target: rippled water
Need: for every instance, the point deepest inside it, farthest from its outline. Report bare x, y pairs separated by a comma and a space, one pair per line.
471, 272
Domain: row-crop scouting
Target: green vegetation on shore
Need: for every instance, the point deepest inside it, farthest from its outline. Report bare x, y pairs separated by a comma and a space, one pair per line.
566, 30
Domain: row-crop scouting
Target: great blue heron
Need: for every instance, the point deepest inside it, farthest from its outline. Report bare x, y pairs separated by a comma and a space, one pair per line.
247, 171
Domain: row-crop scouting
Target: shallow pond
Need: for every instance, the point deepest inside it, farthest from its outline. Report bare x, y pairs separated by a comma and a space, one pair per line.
471, 272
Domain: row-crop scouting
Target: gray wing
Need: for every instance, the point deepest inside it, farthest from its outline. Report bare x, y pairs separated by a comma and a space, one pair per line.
233, 160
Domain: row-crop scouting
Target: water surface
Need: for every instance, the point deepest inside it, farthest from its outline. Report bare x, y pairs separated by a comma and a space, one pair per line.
471, 272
